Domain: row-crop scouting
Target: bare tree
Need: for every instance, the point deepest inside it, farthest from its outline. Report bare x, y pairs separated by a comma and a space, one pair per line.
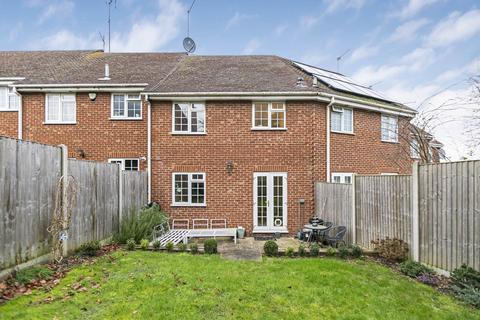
474, 124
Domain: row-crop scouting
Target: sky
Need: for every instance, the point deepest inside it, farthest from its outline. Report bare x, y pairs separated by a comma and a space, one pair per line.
422, 53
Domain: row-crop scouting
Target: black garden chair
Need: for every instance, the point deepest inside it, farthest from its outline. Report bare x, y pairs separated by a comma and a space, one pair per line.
335, 236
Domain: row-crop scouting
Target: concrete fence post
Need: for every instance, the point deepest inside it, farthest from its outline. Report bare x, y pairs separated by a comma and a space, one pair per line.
354, 213
64, 175
415, 212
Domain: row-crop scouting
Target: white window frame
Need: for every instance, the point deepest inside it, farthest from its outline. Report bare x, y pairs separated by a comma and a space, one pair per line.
342, 176
396, 128
10, 93
389, 174
341, 110
125, 106
190, 180
270, 108
415, 148
189, 118
122, 162
60, 113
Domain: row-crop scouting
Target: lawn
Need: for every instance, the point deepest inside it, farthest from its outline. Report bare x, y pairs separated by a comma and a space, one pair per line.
152, 285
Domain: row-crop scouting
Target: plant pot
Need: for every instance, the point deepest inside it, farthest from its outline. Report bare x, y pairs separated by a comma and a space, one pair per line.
240, 232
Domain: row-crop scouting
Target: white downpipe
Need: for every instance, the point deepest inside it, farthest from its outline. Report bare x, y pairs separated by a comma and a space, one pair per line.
149, 149
20, 117
332, 101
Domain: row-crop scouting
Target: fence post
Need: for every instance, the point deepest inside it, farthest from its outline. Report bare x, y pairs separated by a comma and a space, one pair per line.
415, 214
120, 196
64, 177
354, 213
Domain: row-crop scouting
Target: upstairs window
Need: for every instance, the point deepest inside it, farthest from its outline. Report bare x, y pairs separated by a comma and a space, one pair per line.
188, 118
9, 100
188, 189
342, 177
127, 164
269, 115
341, 120
389, 128
415, 148
126, 106
60, 108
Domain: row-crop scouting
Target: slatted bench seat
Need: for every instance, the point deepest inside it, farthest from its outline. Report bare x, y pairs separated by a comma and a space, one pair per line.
211, 233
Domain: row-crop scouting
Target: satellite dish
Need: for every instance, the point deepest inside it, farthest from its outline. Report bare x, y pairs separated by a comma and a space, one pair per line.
189, 45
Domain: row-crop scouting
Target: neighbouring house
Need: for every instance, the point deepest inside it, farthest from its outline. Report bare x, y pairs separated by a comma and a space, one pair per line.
237, 137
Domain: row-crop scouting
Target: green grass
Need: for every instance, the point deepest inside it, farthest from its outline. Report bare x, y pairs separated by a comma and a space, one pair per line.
153, 285
37, 272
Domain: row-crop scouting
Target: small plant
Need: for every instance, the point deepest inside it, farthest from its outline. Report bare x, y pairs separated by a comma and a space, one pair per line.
89, 249
314, 250
210, 246
26, 275
131, 244
428, 278
144, 244
270, 248
356, 251
182, 247
301, 250
466, 285
290, 252
343, 252
193, 248
391, 249
169, 246
331, 251
414, 269
156, 244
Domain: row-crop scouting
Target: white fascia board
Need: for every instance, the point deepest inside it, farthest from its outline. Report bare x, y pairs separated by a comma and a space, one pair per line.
82, 88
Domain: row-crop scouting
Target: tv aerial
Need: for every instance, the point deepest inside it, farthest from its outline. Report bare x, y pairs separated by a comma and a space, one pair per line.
188, 43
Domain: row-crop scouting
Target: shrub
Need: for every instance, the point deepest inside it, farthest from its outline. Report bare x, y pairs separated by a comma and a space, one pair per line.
89, 248
182, 247
139, 225
343, 252
193, 248
169, 246
270, 248
144, 244
131, 244
210, 246
26, 275
331, 251
290, 252
356, 251
391, 249
428, 278
156, 244
466, 285
414, 269
314, 250
301, 250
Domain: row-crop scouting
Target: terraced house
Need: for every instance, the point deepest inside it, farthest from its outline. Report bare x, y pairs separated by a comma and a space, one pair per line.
236, 137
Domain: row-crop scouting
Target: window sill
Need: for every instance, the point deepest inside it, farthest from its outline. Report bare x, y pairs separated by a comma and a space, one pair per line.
269, 230
387, 141
189, 205
343, 132
188, 133
268, 129
126, 119
62, 123
8, 110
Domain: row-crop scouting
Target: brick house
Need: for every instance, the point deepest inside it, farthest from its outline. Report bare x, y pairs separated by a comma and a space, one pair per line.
236, 137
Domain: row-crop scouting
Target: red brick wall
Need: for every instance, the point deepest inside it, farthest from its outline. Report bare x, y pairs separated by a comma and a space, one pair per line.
363, 152
9, 124
94, 133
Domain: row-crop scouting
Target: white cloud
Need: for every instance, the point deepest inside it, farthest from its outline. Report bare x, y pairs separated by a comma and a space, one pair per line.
460, 73
457, 27
252, 46
56, 9
363, 52
308, 22
418, 59
408, 30
150, 35
237, 18
337, 5
280, 29
413, 7
370, 75
67, 40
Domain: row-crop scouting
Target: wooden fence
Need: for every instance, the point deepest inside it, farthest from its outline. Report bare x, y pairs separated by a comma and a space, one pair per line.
29, 174
436, 211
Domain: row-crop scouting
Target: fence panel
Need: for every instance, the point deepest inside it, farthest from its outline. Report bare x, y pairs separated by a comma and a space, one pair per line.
134, 191
28, 180
333, 202
383, 208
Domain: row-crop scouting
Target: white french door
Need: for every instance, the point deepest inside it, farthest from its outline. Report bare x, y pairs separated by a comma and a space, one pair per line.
270, 202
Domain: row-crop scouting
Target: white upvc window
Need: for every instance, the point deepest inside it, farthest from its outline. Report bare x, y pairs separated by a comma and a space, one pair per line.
126, 106
60, 108
415, 148
269, 115
9, 100
188, 118
389, 128
342, 177
188, 189
127, 164
341, 119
